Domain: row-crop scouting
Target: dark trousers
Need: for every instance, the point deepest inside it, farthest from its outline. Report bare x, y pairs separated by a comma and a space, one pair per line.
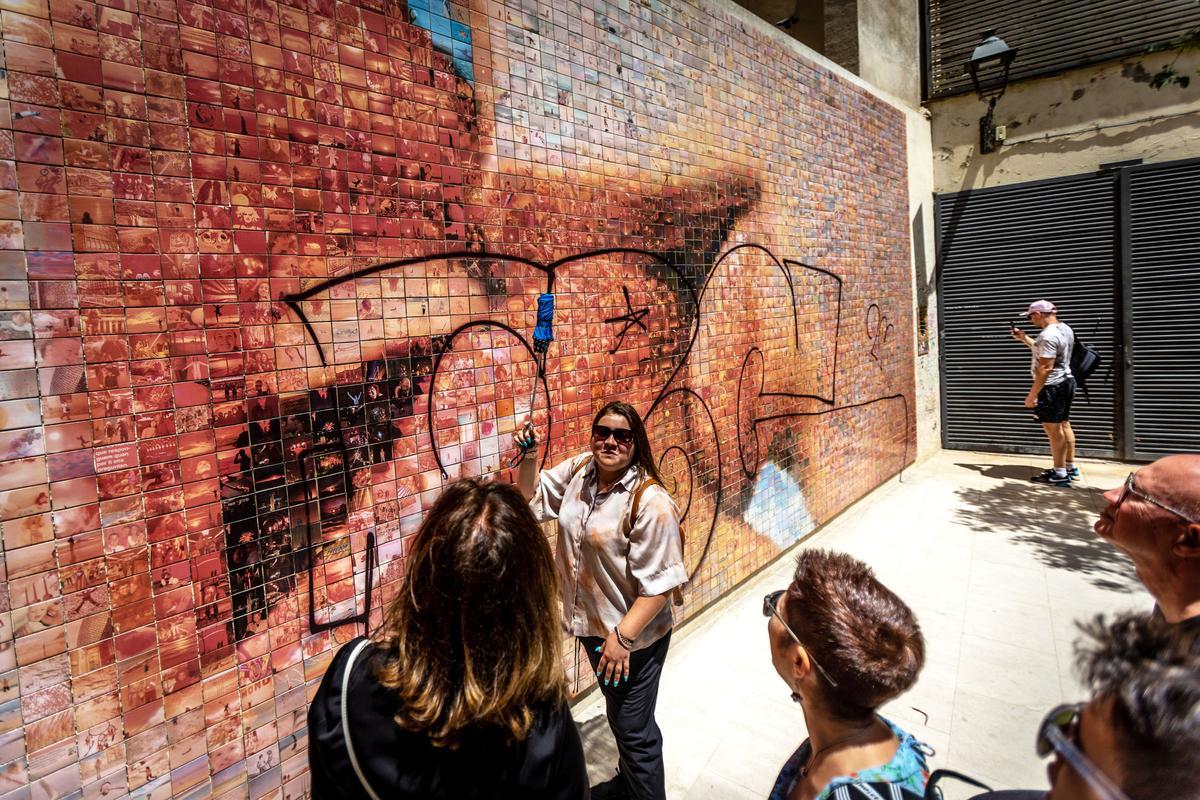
631, 716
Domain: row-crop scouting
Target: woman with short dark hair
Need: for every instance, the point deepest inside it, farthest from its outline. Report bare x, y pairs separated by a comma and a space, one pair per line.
619, 557
461, 694
845, 644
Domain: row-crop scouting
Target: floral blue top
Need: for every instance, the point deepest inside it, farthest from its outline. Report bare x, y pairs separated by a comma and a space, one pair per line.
906, 769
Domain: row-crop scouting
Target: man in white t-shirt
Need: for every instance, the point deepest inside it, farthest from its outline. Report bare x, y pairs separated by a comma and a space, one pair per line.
1053, 388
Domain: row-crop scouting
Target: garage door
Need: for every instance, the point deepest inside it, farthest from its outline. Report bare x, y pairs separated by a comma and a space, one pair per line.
1000, 249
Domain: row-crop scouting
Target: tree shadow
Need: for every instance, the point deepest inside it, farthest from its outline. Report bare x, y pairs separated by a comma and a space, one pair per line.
1055, 522
599, 748
1016, 472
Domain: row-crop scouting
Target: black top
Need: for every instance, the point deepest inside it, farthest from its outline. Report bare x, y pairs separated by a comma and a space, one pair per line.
399, 764
1185, 625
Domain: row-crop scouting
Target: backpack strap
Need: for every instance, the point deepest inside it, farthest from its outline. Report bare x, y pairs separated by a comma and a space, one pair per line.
358, 648
634, 505
934, 792
1060, 358
583, 462
637, 497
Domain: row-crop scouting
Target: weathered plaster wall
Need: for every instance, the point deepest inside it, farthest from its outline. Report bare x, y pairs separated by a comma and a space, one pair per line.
920, 210
1072, 123
841, 33
889, 47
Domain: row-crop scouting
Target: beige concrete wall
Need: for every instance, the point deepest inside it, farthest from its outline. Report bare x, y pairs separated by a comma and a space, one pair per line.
889, 47
927, 401
1072, 123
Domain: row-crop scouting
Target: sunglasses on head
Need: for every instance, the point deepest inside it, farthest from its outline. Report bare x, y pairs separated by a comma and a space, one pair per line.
1059, 733
622, 435
771, 609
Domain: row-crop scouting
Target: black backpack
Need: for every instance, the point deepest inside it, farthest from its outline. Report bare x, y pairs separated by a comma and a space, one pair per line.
1085, 360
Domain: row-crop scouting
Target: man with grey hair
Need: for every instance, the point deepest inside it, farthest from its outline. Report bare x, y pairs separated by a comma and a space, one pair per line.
1138, 736
1154, 518
1053, 388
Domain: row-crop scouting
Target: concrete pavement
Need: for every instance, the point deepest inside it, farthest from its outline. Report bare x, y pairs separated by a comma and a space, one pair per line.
997, 569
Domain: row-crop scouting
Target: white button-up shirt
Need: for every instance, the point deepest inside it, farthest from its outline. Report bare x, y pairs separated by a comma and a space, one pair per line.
605, 563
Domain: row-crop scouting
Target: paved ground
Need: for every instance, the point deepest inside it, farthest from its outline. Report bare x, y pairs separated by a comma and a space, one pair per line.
996, 568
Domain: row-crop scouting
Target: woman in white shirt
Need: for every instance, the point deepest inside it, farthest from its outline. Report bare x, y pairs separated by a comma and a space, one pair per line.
619, 557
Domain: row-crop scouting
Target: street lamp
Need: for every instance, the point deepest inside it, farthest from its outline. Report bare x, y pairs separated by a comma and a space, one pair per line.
989, 67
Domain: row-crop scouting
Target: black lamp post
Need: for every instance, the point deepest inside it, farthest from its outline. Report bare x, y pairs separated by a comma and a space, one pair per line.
989, 67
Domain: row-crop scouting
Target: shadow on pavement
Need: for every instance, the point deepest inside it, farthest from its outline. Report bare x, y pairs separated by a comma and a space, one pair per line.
600, 747
1016, 472
1056, 522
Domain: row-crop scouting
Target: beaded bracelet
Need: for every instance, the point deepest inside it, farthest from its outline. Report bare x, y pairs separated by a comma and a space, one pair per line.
622, 639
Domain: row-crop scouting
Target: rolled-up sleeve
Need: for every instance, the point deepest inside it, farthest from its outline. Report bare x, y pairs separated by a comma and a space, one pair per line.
655, 547
551, 486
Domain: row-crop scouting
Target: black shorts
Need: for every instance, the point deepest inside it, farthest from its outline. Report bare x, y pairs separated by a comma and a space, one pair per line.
1054, 402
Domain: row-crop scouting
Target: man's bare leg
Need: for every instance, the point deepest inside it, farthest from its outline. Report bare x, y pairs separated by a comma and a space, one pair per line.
1068, 435
1057, 444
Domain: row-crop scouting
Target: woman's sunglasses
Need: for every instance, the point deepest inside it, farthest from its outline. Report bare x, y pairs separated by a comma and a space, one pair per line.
622, 435
771, 608
1058, 734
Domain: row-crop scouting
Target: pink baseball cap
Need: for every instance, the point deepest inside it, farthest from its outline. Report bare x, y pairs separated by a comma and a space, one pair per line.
1040, 307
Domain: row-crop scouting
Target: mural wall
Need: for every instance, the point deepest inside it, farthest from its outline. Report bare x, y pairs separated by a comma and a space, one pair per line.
269, 279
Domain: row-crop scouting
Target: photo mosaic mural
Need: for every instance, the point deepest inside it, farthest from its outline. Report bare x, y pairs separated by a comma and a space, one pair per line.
270, 276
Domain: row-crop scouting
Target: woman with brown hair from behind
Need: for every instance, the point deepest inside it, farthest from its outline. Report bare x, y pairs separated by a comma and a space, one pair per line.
462, 694
845, 644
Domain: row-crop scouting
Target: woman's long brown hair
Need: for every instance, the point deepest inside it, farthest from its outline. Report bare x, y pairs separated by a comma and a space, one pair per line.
472, 642
643, 456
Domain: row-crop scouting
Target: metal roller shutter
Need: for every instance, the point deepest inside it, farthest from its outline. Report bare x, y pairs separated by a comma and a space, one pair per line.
1164, 255
1052, 35
999, 249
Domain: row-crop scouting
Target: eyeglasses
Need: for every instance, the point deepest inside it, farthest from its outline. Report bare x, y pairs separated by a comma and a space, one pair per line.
1130, 490
771, 608
1055, 735
622, 435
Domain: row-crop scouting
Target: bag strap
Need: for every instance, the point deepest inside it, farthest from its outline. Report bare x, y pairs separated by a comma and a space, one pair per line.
358, 648
634, 506
1061, 360
933, 792
582, 463
637, 498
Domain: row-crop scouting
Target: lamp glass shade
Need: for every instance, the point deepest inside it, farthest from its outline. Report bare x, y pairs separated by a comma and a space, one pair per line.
993, 48
989, 65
